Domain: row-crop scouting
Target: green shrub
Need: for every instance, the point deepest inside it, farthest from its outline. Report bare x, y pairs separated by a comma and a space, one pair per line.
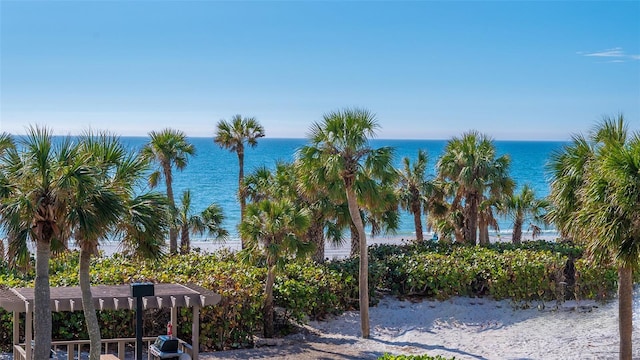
413, 357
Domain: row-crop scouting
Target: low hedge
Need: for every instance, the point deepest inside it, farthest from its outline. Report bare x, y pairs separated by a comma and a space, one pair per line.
305, 290
413, 357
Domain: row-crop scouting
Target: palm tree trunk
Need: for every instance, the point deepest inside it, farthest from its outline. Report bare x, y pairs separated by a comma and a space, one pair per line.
241, 195
516, 237
173, 233
472, 219
185, 241
42, 305
483, 236
91, 319
625, 311
355, 241
417, 221
316, 236
268, 302
354, 211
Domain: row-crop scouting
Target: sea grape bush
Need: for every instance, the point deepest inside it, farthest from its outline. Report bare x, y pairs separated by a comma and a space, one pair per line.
305, 290
413, 357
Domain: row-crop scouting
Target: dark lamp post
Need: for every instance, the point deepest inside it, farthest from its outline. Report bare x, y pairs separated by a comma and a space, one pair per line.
139, 290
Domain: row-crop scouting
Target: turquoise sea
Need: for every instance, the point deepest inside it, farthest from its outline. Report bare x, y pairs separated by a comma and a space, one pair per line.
212, 174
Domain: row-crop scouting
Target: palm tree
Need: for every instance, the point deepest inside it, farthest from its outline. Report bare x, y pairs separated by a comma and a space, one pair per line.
341, 143
210, 221
141, 229
603, 202
524, 207
169, 148
233, 135
470, 163
411, 189
102, 204
43, 179
274, 228
6, 142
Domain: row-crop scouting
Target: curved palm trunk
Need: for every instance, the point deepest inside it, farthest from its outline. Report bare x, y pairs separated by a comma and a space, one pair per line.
241, 197
185, 240
42, 306
516, 237
625, 311
417, 220
268, 302
354, 211
89, 310
316, 236
355, 241
173, 233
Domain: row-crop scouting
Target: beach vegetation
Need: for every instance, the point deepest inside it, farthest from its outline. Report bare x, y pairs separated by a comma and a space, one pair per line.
414, 357
306, 290
233, 135
169, 148
595, 192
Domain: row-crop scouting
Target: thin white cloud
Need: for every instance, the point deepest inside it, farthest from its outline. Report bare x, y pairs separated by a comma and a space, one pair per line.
616, 52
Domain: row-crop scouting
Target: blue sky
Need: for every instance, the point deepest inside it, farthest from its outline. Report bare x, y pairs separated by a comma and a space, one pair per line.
429, 70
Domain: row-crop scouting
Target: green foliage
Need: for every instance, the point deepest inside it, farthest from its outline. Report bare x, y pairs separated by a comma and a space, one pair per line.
413, 357
531, 271
305, 290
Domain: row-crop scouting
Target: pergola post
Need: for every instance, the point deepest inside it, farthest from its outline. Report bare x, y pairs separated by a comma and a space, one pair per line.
28, 330
174, 320
16, 328
195, 332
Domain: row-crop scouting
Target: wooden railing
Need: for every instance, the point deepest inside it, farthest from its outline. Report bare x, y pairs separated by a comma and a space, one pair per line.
73, 348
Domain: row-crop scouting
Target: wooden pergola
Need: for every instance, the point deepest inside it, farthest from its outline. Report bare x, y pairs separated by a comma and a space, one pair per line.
173, 296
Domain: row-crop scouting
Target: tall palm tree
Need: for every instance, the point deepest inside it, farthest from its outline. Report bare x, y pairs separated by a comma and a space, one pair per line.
96, 207
209, 221
604, 205
524, 207
274, 228
411, 189
341, 142
470, 163
169, 148
233, 135
42, 178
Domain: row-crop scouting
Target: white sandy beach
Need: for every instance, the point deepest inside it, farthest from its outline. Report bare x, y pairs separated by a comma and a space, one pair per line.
462, 327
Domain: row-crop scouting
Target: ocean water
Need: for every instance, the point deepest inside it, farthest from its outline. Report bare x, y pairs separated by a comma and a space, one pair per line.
212, 174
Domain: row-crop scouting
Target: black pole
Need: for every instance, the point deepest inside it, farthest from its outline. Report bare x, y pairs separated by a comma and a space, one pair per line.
138, 290
139, 328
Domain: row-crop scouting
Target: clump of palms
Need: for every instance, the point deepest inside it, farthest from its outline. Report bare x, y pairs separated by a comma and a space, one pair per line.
340, 144
595, 194
102, 205
209, 221
41, 180
233, 135
169, 148
523, 207
474, 174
